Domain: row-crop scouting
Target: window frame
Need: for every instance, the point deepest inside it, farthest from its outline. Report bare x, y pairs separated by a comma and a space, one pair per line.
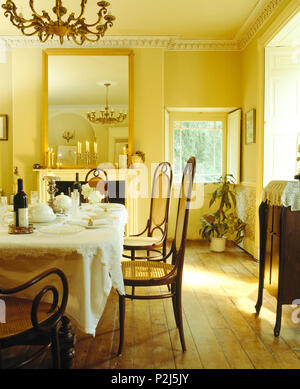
196, 116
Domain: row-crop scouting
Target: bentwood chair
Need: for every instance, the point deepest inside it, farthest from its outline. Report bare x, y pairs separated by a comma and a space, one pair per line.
156, 273
33, 322
157, 224
97, 178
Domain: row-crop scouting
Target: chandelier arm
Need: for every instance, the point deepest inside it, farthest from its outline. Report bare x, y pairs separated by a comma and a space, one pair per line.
76, 28
34, 11
102, 13
15, 19
78, 42
82, 5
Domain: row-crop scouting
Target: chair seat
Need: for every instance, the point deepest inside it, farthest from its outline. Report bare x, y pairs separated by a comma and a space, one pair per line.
144, 270
141, 241
18, 313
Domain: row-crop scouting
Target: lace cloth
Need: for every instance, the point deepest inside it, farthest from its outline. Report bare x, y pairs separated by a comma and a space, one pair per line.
272, 193
283, 193
291, 195
91, 260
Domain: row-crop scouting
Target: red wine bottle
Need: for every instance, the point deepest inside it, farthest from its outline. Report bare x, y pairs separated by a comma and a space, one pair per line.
21, 206
77, 185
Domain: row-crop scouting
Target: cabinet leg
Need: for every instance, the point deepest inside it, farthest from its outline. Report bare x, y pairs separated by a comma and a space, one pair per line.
259, 299
67, 343
278, 320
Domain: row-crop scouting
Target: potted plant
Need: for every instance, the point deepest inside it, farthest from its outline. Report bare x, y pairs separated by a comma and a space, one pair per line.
224, 223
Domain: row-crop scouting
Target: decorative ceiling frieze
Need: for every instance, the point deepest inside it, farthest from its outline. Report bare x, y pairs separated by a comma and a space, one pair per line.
259, 16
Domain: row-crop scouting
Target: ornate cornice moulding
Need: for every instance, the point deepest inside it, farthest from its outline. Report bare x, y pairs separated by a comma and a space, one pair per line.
253, 24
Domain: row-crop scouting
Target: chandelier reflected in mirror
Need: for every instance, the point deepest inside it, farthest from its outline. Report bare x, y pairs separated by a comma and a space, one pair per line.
64, 26
107, 116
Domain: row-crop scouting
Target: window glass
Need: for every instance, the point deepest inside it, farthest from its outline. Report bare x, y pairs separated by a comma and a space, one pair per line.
202, 139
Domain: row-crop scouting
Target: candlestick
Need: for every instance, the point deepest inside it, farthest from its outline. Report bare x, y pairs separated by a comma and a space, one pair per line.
87, 146
48, 157
95, 147
52, 158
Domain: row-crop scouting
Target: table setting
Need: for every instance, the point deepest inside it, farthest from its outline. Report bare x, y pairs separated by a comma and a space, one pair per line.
85, 242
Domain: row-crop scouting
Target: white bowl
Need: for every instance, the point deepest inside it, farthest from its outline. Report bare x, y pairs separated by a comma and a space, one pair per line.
41, 213
63, 201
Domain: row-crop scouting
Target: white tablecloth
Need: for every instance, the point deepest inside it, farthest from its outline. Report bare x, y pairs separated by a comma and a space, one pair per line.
90, 259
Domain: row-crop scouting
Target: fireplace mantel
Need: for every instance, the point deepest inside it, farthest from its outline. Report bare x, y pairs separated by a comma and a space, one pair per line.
127, 175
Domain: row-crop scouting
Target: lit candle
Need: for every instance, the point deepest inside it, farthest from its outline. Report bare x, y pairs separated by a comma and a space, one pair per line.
87, 146
95, 147
79, 147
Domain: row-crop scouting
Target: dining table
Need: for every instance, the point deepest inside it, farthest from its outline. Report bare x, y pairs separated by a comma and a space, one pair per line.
86, 245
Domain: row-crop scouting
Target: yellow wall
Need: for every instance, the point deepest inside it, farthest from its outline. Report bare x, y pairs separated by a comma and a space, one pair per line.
27, 113
148, 113
252, 68
202, 79
161, 79
6, 154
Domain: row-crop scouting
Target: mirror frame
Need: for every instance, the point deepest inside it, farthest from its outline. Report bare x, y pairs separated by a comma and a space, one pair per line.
107, 52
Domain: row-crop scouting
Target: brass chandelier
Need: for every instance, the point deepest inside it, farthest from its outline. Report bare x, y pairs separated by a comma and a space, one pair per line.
72, 27
107, 116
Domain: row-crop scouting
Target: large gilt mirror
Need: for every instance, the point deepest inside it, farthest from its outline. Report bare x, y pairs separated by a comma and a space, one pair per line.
88, 110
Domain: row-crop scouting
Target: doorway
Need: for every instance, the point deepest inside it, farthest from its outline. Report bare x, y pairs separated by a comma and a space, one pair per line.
282, 103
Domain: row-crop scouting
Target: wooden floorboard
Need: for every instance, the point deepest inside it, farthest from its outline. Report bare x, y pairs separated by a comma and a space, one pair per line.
222, 330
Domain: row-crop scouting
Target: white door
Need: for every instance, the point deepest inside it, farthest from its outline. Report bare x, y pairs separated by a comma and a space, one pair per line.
282, 112
234, 144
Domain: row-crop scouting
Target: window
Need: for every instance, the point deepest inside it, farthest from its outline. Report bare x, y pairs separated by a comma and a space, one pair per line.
203, 139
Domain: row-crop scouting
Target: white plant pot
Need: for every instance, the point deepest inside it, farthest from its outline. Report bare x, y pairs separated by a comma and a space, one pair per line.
217, 244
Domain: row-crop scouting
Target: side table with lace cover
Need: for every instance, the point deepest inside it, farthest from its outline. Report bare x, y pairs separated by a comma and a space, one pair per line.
279, 257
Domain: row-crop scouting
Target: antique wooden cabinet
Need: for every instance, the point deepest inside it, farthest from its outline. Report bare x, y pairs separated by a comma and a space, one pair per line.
279, 270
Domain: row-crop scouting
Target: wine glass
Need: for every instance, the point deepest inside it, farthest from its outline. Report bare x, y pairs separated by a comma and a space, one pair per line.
3, 209
34, 197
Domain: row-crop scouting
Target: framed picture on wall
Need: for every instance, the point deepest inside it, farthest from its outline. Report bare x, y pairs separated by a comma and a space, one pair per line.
3, 127
66, 155
250, 127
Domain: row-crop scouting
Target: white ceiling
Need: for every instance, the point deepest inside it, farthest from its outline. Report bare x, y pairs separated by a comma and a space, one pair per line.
74, 80
189, 19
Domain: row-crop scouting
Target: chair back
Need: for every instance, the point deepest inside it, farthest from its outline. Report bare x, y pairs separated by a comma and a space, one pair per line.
183, 214
97, 178
160, 199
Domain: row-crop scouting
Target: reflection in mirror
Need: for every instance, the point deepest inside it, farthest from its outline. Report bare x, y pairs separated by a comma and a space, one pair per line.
78, 100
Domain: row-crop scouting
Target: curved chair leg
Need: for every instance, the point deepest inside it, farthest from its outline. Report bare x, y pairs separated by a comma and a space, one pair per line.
174, 303
133, 259
278, 320
122, 321
179, 315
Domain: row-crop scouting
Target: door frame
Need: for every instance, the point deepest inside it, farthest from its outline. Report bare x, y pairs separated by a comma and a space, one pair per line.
281, 20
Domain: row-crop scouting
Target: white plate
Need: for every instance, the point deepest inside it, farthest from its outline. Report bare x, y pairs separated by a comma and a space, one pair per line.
61, 229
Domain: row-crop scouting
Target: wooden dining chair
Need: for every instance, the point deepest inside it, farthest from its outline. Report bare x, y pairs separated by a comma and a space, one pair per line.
97, 178
153, 239
34, 322
142, 273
